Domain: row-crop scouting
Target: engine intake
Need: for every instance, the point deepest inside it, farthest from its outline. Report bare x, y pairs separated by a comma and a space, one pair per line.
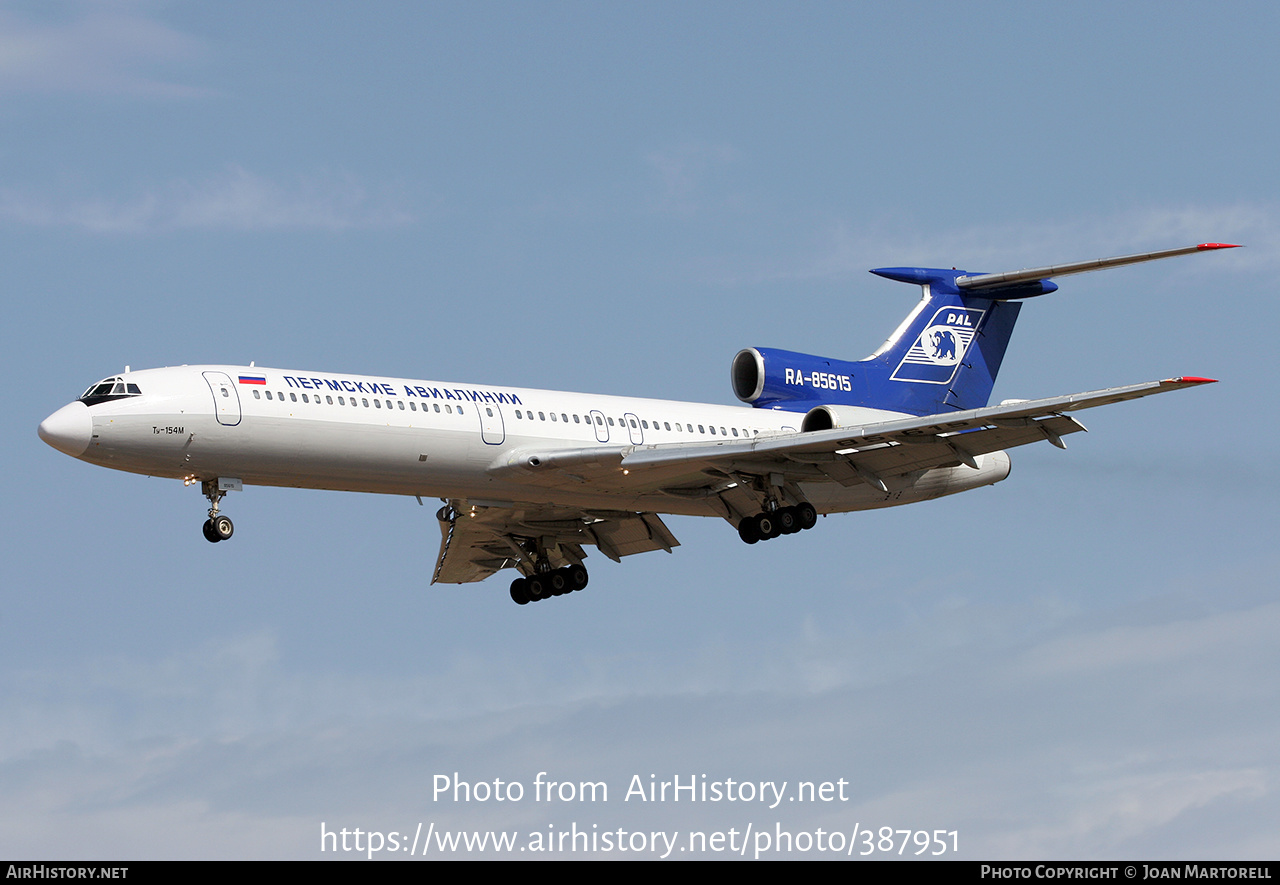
831, 417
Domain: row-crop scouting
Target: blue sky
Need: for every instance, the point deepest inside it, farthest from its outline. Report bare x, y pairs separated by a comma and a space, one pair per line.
1078, 662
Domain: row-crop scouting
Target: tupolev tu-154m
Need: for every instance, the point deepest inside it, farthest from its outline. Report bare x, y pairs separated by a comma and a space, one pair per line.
529, 478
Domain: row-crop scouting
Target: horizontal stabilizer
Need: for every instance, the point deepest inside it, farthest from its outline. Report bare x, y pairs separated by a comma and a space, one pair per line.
1016, 277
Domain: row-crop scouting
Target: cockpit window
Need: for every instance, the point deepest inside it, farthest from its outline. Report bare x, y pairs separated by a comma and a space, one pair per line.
109, 389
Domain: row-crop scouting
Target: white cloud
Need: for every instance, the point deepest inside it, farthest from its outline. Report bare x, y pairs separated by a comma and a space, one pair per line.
684, 175
95, 48
1121, 648
236, 199
1048, 753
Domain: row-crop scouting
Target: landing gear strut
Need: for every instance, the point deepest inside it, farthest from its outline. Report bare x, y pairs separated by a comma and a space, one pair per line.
548, 582
217, 527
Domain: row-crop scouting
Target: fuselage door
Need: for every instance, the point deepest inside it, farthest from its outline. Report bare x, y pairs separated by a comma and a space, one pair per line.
634, 428
602, 429
226, 400
492, 429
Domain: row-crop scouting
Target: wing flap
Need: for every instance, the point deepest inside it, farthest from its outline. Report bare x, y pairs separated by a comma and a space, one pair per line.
478, 541
899, 446
616, 538
468, 553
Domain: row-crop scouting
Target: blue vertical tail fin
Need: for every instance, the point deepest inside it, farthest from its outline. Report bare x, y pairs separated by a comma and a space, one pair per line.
944, 357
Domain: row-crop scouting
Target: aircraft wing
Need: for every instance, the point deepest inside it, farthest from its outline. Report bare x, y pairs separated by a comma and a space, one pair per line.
725, 471
478, 540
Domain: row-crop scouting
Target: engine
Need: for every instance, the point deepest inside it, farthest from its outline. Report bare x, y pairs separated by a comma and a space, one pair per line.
768, 378
830, 417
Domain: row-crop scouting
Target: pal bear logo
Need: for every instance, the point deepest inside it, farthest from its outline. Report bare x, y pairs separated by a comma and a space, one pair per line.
943, 343
939, 349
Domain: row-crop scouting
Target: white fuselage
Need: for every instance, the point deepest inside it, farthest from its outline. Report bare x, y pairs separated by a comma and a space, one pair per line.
323, 430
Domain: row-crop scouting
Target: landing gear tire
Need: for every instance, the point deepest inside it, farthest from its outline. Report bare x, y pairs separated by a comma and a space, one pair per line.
557, 584
222, 527
536, 588
769, 524
806, 516
767, 527
209, 534
576, 577
520, 591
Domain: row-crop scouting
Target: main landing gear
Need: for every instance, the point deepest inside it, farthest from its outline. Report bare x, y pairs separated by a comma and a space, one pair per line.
552, 582
217, 527
769, 524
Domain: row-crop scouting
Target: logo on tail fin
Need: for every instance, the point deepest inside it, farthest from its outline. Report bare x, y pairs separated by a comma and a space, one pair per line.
936, 354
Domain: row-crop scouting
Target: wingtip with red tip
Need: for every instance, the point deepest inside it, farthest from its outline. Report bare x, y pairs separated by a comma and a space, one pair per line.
1205, 246
1192, 379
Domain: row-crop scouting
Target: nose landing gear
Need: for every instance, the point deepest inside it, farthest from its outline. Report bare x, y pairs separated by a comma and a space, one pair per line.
218, 527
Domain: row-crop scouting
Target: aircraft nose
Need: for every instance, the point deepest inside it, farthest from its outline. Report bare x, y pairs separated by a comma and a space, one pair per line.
69, 429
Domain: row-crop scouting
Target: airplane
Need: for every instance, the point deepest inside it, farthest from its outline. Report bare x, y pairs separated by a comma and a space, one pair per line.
530, 477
